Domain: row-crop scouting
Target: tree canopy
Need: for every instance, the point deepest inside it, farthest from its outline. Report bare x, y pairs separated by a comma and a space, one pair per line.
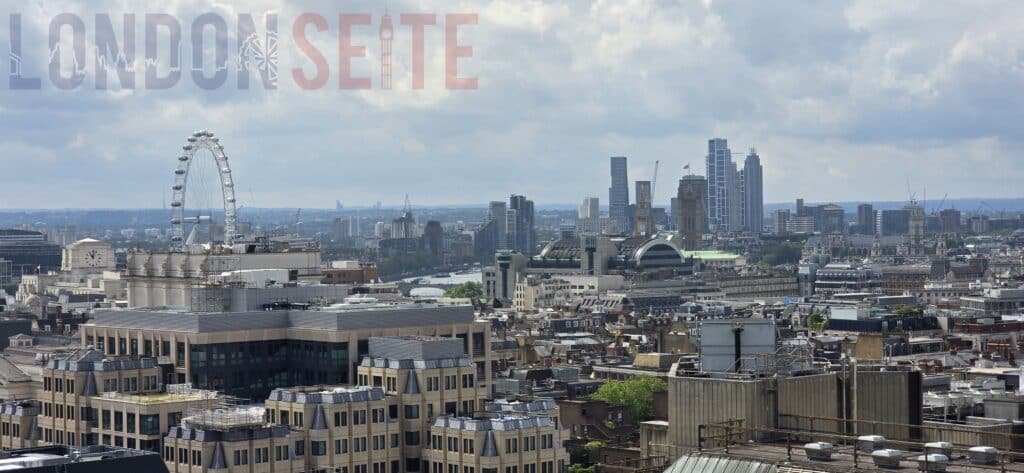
635, 393
816, 321
775, 254
469, 289
907, 310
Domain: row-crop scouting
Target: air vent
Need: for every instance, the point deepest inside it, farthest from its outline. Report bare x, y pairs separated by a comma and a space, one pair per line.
887, 458
932, 463
819, 451
983, 455
870, 443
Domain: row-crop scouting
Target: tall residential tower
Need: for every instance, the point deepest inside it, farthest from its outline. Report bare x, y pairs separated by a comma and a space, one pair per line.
753, 193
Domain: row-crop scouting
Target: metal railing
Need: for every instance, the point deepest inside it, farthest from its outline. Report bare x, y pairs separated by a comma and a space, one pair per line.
731, 437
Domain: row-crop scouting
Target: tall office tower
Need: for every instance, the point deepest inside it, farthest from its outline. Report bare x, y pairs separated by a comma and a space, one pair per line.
735, 198
800, 208
753, 192
893, 222
496, 213
723, 186
618, 194
519, 225
590, 208
643, 222
691, 216
865, 219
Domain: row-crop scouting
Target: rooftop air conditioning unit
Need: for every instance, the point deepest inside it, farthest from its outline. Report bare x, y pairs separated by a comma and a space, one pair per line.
870, 443
932, 463
887, 458
819, 451
939, 448
983, 455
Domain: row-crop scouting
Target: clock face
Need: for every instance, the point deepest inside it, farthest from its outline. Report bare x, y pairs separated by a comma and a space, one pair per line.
94, 258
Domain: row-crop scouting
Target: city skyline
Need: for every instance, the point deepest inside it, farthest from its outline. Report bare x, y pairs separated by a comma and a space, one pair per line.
814, 101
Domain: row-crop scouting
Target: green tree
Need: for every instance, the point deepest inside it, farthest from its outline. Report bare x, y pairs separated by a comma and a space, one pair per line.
578, 468
634, 393
816, 321
469, 289
782, 253
907, 310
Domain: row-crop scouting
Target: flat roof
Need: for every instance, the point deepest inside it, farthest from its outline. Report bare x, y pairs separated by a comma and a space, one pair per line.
363, 317
710, 255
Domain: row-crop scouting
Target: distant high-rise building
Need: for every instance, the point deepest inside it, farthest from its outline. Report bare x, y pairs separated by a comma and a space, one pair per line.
404, 226
865, 219
643, 219
893, 222
753, 192
521, 234
950, 221
690, 207
830, 218
618, 194
590, 220
590, 208
800, 208
433, 241
717, 165
340, 229
485, 240
781, 222
735, 198
496, 213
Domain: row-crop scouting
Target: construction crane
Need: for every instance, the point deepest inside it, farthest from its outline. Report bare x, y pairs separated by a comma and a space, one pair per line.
1000, 213
654, 181
911, 194
941, 203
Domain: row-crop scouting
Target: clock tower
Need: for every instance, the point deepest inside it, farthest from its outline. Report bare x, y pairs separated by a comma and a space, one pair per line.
88, 256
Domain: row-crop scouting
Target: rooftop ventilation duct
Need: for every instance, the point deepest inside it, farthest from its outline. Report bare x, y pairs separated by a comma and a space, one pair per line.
819, 451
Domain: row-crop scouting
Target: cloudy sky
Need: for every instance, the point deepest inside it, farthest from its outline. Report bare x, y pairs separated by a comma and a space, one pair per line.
843, 100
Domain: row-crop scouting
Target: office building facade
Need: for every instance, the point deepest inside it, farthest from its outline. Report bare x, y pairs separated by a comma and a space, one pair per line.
735, 198
753, 193
618, 194
865, 219
248, 354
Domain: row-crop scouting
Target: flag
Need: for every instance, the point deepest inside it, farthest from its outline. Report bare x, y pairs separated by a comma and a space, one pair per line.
687, 167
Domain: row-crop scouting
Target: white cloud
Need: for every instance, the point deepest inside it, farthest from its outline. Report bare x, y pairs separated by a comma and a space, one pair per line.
844, 101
